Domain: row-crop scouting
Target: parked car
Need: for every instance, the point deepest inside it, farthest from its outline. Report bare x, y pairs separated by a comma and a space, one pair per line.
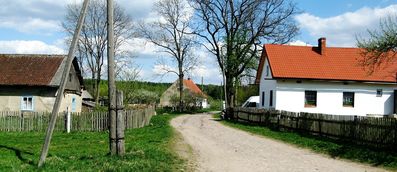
252, 101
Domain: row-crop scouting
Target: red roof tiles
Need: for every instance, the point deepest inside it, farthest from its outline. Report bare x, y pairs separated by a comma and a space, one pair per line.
193, 87
32, 70
303, 62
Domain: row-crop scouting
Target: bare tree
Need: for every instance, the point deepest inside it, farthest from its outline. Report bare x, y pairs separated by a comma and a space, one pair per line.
170, 33
381, 47
233, 30
93, 42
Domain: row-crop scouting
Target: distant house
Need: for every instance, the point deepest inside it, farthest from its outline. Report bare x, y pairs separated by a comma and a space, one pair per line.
30, 83
189, 87
324, 80
88, 102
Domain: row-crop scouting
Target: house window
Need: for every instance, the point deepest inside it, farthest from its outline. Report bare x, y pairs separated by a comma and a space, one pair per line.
271, 98
263, 99
267, 70
310, 98
348, 99
73, 104
379, 92
27, 103
70, 77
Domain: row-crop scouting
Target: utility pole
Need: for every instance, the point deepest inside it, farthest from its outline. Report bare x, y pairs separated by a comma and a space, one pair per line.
111, 81
62, 85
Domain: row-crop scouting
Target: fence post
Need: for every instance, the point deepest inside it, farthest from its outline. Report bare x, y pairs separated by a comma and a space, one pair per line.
21, 123
68, 121
297, 120
319, 118
278, 120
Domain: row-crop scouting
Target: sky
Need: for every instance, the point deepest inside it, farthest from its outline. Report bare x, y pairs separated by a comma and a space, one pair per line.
33, 27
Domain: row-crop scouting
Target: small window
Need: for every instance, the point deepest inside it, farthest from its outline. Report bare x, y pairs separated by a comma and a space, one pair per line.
263, 99
271, 98
348, 99
379, 92
70, 77
73, 104
267, 71
27, 103
310, 98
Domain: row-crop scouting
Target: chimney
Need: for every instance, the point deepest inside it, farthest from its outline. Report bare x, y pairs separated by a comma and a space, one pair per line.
322, 44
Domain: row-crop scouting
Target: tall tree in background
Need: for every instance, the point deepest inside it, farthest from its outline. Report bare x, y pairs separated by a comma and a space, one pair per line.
93, 38
234, 30
170, 33
381, 47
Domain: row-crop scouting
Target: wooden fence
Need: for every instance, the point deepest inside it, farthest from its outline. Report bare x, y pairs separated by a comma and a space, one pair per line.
84, 121
380, 132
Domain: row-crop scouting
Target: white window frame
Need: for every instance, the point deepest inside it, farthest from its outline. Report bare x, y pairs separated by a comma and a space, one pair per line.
24, 104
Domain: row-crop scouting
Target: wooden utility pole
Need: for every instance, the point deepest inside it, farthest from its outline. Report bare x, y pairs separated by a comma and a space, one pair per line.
62, 85
120, 124
111, 81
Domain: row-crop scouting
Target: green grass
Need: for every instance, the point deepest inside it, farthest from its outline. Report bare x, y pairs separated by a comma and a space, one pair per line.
335, 149
147, 149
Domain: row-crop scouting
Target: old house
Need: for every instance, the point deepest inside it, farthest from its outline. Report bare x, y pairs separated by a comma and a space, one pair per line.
324, 79
30, 83
191, 91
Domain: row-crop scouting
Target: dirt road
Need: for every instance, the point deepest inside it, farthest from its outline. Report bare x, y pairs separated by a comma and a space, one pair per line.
216, 147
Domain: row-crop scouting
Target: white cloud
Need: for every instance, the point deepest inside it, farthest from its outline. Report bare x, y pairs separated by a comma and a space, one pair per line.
299, 43
161, 69
140, 46
30, 25
29, 47
341, 30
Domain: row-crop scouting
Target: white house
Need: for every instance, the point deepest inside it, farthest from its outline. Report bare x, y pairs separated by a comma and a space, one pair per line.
324, 80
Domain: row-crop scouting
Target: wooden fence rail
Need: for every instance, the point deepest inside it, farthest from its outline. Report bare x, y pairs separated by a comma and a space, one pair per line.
378, 132
84, 121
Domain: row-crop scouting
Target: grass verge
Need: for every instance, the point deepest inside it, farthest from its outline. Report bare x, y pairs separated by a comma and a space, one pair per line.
335, 149
147, 149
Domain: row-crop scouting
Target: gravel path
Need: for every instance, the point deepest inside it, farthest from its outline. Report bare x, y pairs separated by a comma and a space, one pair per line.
220, 148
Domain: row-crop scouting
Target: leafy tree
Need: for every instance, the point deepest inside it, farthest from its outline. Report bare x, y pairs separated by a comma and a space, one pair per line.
142, 96
233, 31
381, 47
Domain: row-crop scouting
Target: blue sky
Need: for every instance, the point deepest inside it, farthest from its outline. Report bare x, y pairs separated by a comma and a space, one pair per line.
34, 27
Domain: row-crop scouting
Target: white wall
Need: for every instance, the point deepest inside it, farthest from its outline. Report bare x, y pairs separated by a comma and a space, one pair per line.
291, 95
266, 84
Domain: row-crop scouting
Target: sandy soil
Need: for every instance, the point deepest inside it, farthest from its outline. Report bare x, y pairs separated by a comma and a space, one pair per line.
216, 147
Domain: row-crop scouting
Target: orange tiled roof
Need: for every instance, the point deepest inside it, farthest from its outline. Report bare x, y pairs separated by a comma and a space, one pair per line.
192, 86
303, 62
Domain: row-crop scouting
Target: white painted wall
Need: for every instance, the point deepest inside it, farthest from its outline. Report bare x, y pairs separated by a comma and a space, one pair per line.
291, 95
266, 84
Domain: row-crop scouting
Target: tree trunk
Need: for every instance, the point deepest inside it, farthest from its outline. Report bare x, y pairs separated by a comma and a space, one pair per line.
180, 89
97, 82
94, 85
230, 91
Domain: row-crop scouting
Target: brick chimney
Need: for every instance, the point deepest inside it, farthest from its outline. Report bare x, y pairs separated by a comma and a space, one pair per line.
322, 44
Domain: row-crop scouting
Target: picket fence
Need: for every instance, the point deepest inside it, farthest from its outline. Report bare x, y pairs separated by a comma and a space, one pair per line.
84, 121
380, 132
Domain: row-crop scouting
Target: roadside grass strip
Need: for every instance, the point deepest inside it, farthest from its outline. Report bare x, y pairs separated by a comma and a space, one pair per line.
147, 149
